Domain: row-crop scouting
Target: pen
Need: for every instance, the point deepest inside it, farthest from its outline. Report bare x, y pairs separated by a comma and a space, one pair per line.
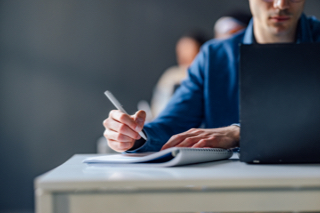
117, 104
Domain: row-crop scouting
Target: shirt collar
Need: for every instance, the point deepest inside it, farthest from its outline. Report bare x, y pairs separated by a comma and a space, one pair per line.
304, 34
248, 34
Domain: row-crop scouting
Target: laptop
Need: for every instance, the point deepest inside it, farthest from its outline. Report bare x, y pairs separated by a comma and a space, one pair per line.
280, 103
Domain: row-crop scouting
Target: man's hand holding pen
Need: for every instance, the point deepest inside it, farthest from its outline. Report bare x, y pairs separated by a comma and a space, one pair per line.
122, 130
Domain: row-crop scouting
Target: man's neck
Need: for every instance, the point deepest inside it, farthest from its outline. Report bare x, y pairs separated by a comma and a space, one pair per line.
267, 37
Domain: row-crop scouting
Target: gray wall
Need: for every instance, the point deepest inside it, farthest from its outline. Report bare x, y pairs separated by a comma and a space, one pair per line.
58, 57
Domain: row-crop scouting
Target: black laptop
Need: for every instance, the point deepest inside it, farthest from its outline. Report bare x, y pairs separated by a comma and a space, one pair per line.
280, 103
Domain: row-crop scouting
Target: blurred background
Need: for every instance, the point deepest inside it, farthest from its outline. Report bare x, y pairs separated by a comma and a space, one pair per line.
57, 59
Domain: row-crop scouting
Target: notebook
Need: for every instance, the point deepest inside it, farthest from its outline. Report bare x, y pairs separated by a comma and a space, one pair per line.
175, 156
280, 103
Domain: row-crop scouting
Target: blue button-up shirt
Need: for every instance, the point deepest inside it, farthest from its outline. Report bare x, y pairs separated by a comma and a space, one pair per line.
209, 96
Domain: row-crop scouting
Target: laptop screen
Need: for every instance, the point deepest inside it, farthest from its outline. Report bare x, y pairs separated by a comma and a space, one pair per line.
280, 103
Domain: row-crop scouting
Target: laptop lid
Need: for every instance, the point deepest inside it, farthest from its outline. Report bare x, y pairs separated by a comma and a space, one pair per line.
280, 103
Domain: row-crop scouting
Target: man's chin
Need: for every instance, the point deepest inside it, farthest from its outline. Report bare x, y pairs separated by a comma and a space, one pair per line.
280, 29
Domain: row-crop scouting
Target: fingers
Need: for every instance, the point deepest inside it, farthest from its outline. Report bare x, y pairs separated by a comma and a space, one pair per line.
173, 141
189, 142
118, 142
121, 130
123, 118
213, 142
177, 139
199, 138
116, 136
124, 144
120, 146
118, 131
139, 118
205, 143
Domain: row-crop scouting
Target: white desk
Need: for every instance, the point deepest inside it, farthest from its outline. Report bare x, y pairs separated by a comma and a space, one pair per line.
218, 186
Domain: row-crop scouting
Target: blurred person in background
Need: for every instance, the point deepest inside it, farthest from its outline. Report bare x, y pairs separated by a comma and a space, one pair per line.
187, 48
231, 23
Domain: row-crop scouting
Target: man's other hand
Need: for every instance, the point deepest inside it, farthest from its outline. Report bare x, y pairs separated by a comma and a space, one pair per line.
225, 137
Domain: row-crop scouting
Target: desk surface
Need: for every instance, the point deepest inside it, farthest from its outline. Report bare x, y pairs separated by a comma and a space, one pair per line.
227, 186
74, 174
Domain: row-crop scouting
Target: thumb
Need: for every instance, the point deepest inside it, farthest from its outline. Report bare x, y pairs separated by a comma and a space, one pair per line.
140, 118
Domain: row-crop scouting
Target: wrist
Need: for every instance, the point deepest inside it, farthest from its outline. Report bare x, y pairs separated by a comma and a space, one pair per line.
235, 134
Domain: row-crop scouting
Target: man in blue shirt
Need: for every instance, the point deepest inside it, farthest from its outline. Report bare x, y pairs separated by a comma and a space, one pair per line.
209, 96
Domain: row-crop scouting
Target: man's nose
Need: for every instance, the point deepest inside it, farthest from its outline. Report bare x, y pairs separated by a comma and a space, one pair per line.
281, 4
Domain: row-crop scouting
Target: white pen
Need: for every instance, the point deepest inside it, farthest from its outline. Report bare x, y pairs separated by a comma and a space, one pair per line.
117, 104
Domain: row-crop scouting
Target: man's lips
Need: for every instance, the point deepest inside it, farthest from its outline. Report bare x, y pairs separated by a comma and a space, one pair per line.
280, 18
